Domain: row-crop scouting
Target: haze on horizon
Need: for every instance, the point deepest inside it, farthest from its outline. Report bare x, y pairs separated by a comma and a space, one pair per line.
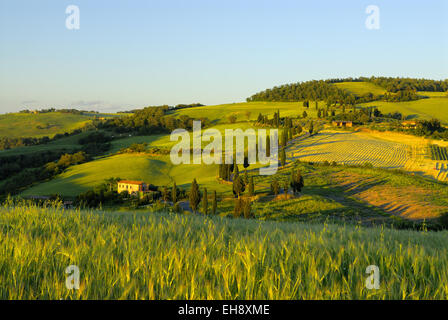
130, 55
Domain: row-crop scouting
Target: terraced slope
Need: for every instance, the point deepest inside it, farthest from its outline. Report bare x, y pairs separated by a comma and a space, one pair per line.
349, 148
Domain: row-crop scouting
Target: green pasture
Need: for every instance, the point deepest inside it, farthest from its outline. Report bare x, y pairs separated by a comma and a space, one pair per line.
220, 113
15, 125
434, 107
360, 88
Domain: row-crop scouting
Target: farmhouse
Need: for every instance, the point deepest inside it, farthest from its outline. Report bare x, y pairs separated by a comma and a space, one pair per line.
339, 123
131, 186
410, 124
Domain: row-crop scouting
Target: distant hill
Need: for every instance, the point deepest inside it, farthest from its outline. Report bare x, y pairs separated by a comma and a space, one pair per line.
351, 90
361, 88
14, 125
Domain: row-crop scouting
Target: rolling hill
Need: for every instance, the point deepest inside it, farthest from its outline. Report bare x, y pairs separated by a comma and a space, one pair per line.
360, 87
434, 107
14, 125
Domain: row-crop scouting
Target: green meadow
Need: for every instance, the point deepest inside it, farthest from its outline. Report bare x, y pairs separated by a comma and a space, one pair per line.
14, 125
135, 255
424, 109
361, 87
220, 113
156, 170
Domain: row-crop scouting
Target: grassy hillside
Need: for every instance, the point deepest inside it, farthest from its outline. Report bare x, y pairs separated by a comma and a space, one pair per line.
38, 125
156, 170
219, 113
170, 256
70, 144
338, 193
360, 88
434, 107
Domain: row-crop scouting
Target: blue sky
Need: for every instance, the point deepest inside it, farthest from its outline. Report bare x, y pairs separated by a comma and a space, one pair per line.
130, 54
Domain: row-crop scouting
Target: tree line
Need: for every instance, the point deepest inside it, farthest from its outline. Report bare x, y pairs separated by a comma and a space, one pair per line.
398, 89
150, 120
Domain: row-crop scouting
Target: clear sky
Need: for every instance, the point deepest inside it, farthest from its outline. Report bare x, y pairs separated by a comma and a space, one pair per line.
130, 54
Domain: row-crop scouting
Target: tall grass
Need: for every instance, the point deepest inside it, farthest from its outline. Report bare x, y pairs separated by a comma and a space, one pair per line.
170, 256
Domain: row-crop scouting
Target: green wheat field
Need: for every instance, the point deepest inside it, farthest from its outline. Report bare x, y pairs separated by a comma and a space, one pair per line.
171, 256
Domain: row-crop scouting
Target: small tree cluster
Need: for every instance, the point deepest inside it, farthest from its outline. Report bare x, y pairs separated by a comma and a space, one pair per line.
296, 181
243, 207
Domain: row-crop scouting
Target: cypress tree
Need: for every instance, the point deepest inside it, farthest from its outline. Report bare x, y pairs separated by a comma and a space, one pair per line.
247, 209
227, 178
278, 118
238, 208
174, 193
220, 171
165, 194
284, 138
251, 187
194, 196
238, 186
274, 186
285, 187
268, 146
297, 182
214, 203
205, 202
283, 157
236, 171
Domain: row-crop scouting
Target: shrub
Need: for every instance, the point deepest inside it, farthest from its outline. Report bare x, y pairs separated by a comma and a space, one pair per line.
443, 220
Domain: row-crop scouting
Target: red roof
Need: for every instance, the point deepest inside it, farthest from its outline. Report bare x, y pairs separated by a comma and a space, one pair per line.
131, 182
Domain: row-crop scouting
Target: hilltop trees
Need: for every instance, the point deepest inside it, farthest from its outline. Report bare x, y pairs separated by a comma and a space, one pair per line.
309, 90
194, 196
401, 89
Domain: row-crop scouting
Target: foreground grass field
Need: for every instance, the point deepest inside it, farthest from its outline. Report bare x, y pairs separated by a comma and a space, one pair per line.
170, 256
